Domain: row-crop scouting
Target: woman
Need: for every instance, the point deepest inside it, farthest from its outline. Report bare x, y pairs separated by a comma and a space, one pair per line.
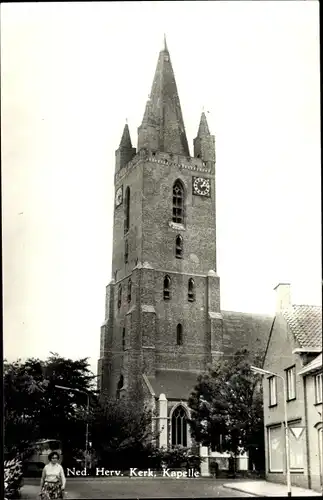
52, 484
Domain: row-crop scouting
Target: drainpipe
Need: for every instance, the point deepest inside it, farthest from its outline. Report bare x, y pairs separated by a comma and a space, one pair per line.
307, 437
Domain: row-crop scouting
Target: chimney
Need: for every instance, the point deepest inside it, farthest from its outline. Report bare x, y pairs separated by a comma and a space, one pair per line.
283, 296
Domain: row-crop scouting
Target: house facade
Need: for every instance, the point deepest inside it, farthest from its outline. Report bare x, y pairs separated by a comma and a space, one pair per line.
313, 391
163, 320
294, 342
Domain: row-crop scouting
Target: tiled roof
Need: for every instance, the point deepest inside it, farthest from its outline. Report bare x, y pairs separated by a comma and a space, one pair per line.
305, 322
245, 331
314, 365
175, 384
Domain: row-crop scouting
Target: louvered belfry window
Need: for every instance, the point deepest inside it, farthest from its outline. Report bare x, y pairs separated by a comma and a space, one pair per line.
167, 283
191, 290
178, 203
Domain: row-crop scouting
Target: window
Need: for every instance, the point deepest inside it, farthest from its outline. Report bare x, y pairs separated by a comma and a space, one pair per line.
126, 251
127, 210
123, 339
272, 381
129, 290
119, 296
178, 202
276, 448
179, 427
167, 283
291, 383
179, 334
179, 247
119, 386
318, 388
191, 292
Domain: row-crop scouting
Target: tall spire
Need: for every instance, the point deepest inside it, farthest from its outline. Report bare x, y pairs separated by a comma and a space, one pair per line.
165, 44
162, 128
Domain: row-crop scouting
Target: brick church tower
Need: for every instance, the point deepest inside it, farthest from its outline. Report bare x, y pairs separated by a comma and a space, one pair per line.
163, 303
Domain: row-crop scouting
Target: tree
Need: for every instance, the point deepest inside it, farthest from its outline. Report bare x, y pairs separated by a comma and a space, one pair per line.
227, 408
35, 409
122, 431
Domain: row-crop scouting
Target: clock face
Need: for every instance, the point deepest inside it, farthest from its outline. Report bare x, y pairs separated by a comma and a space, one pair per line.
201, 186
119, 196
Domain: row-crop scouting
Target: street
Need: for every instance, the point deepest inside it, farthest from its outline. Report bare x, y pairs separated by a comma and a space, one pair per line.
125, 487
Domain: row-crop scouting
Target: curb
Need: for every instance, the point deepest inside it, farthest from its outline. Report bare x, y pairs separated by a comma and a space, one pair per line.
242, 491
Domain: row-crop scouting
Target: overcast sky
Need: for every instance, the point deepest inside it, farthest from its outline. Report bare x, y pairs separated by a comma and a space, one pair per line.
73, 73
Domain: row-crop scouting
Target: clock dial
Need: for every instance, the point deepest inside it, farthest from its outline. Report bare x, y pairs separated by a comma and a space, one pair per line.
201, 186
118, 196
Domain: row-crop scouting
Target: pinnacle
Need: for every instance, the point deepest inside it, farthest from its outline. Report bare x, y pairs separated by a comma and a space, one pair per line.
125, 139
203, 127
165, 44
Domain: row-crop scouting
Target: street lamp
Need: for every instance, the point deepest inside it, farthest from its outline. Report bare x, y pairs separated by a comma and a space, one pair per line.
87, 413
255, 369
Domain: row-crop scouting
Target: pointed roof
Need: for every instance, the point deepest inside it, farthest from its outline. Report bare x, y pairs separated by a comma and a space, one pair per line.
163, 111
125, 139
203, 127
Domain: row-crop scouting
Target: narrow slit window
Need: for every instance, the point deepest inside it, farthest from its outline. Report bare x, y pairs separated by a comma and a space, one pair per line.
129, 290
127, 211
126, 251
179, 334
191, 290
119, 296
167, 284
179, 247
123, 339
178, 203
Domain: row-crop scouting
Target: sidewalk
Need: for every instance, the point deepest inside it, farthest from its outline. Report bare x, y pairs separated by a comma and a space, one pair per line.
268, 489
31, 492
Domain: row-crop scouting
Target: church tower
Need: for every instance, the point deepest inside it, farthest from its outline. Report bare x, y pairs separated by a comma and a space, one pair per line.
162, 316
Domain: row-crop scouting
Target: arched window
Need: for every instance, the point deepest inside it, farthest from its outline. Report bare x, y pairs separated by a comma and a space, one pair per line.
119, 386
179, 247
178, 202
167, 283
119, 296
191, 290
129, 290
179, 334
127, 210
126, 251
179, 427
123, 339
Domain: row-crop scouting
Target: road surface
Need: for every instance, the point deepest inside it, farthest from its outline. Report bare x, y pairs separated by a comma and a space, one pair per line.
125, 487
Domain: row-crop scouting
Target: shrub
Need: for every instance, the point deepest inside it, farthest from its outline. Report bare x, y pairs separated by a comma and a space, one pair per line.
13, 477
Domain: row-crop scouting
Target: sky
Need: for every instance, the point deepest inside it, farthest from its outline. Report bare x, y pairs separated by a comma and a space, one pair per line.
73, 73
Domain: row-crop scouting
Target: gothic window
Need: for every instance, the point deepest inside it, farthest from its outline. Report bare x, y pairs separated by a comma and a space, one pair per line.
179, 427
167, 283
123, 339
178, 202
126, 251
129, 290
119, 386
119, 296
127, 210
179, 334
191, 290
179, 247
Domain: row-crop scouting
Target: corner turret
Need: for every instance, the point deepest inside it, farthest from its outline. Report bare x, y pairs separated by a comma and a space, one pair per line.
125, 152
204, 143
